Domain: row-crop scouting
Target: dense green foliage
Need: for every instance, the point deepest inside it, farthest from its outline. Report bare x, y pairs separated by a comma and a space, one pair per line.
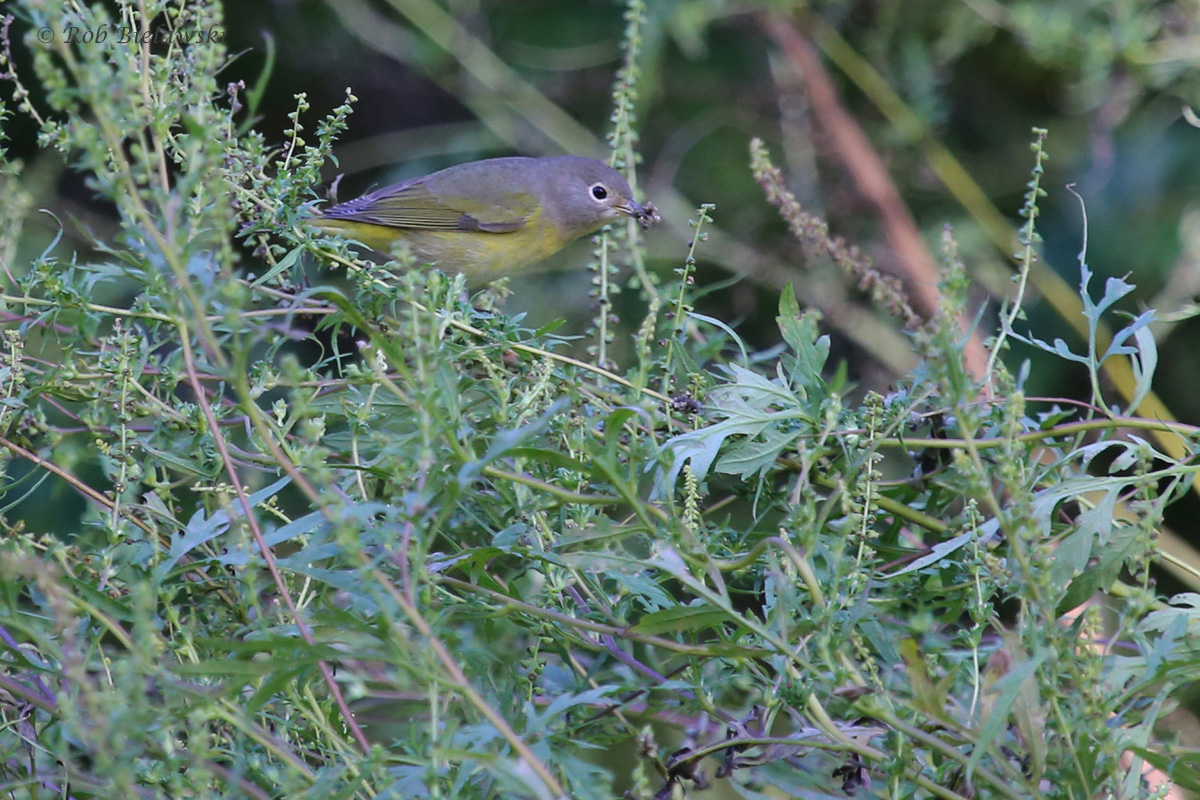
280, 522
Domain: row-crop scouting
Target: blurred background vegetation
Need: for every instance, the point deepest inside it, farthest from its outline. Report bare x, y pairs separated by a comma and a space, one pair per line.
933, 84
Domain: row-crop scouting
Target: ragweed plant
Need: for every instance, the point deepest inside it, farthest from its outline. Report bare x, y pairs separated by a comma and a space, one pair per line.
441, 557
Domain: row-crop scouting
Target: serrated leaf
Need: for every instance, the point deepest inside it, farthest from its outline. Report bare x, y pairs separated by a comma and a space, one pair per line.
700, 447
755, 455
1104, 569
810, 350
201, 529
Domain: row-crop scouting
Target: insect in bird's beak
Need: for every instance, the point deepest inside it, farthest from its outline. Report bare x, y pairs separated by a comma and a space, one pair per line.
647, 215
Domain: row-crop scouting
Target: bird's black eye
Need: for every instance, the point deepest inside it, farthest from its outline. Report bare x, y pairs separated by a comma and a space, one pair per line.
599, 192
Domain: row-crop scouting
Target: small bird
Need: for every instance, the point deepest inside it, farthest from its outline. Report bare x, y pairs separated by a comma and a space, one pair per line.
486, 219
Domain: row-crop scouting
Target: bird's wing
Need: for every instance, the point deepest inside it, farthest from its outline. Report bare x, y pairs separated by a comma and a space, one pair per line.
414, 205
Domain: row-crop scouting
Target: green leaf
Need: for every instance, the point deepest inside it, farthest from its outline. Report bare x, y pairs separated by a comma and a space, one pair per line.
1008, 688
696, 617
1183, 769
940, 551
800, 332
565, 701
201, 529
505, 441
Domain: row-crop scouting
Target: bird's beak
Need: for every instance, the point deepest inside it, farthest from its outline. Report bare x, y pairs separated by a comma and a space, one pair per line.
645, 214
632, 208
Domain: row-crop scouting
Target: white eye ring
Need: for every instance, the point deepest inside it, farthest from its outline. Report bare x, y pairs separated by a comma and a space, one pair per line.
599, 191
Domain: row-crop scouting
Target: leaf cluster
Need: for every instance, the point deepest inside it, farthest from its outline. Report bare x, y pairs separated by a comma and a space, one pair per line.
376, 539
